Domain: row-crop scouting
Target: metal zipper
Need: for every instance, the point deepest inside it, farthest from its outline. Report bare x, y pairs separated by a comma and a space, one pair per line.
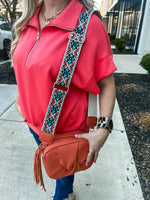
63, 138
38, 37
47, 150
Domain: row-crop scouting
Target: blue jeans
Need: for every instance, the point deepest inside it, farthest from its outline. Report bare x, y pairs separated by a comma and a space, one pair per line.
64, 186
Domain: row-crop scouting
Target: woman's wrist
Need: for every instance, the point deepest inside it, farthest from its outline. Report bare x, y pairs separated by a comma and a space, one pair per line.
103, 130
105, 123
17, 106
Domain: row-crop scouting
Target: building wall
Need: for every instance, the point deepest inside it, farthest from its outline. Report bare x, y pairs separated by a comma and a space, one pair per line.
106, 6
122, 18
111, 3
144, 42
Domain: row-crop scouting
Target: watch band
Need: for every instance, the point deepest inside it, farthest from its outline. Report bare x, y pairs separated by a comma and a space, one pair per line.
105, 122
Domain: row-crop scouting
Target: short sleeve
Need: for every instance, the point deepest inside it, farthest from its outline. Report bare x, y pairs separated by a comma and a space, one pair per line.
104, 64
96, 60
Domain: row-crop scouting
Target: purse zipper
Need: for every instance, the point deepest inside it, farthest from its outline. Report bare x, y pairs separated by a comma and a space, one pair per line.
47, 150
63, 138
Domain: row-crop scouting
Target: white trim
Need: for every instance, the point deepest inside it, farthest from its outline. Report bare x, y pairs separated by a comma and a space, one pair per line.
120, 20
112, 5
144, 41
3, 62
138, 25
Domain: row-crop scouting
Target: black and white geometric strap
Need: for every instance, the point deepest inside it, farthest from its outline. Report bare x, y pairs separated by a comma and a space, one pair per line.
61, 86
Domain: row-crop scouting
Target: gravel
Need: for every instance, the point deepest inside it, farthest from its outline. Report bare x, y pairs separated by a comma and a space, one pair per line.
133, 95
7, 75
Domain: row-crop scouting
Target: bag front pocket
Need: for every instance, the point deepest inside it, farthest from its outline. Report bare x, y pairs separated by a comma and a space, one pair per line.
65, 157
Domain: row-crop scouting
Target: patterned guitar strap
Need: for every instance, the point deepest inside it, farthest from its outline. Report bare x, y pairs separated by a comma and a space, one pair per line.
61, 87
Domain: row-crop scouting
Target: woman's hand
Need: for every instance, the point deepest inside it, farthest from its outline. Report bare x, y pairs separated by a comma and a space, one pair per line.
96, 140
18, 109
17, 105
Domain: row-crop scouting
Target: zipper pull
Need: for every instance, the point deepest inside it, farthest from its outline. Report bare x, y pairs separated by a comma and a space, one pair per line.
38, 37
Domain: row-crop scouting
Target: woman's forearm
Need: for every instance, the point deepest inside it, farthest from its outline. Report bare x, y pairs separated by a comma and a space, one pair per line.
107, 96
98, 137
17, 98
17, 104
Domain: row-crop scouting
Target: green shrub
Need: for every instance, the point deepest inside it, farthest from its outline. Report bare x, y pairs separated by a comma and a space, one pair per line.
145, 62
111, 37
130, 39
120, 44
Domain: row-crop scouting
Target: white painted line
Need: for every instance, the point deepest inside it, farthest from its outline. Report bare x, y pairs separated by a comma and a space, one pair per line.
5, 61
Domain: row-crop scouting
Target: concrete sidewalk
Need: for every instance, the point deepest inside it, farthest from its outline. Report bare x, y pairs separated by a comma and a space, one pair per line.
113, 177
128, 64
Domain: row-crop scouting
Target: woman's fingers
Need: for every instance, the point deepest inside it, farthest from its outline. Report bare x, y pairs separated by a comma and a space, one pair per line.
84, 135
89, 157
91, 153
96, 156
96, 140
18, 110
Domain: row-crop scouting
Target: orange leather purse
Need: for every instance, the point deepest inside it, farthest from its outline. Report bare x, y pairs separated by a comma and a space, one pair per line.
63, 154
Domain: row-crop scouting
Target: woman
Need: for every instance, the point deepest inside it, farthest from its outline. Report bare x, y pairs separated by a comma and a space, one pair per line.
41, 39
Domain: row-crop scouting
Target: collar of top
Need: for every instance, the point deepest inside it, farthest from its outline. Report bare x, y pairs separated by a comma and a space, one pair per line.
66, 20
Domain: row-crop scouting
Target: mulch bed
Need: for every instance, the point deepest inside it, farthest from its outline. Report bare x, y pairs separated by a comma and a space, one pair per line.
127, 51
133, 95
7, 75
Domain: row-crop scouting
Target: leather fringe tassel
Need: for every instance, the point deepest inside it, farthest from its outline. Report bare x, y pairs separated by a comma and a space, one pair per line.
38, 177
